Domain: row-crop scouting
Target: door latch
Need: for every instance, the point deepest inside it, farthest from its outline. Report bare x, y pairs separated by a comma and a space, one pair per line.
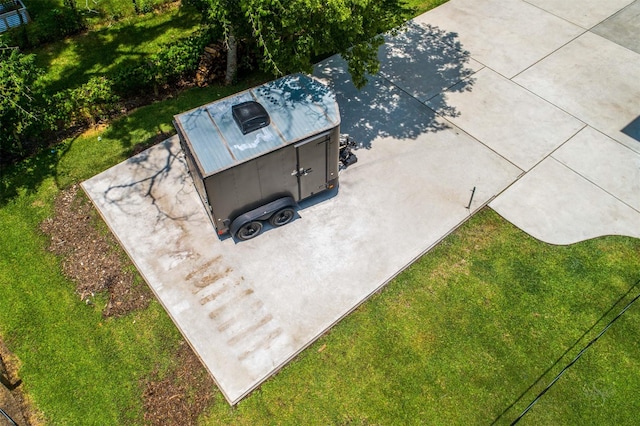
301, 172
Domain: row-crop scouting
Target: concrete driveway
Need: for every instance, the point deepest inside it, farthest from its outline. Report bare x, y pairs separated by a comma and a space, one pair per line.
533, 104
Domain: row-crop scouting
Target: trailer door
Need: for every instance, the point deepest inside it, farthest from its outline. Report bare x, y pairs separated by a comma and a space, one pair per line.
312, 165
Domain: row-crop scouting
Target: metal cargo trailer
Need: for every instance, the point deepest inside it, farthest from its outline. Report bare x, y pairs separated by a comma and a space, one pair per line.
254, 155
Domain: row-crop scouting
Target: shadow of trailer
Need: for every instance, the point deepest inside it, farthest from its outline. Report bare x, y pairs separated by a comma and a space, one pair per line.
254, 155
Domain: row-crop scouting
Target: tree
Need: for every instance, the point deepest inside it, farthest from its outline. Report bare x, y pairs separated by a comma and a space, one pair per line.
292, 35
22, 114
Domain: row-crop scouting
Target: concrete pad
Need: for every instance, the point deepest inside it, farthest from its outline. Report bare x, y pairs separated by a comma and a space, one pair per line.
424, 60
604, 162
378, 110
555, 204
593, 79
512, 121
623, 27
508, 36
585, 13
249, 308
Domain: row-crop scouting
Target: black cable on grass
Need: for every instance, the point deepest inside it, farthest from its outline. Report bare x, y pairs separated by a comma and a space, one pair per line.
526, 410
569, 349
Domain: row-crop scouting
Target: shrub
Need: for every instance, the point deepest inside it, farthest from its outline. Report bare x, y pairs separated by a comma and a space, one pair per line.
27, 119
179, 60
23, 110
87, 104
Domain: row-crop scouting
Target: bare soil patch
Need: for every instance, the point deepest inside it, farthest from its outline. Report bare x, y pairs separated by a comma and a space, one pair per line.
12, 399
92, 259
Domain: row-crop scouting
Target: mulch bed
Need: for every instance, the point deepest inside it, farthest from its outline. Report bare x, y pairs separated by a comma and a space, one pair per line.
91, 259
182, 395
94, 262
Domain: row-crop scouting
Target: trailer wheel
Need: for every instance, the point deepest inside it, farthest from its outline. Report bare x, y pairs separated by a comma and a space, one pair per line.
282, 217
249, 230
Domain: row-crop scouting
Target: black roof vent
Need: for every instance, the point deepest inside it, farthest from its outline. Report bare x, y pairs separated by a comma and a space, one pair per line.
250, 116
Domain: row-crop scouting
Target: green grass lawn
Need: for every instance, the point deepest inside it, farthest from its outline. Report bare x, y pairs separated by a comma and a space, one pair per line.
72, 62
465, 331
455, 339
468, 334
422, 6
98, 12
78, 367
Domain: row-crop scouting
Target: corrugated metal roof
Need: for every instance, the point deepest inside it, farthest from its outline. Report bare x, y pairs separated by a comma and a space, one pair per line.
299, 107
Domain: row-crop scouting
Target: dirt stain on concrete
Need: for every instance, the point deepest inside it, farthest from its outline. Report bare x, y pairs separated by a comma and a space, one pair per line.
202, 268
264, 343
250, 330
213, 296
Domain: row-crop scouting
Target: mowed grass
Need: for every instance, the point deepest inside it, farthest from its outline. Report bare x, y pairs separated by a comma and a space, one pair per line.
78, 367
99, 12
469, 334
73, 61
107, 48
421, 6
455, 339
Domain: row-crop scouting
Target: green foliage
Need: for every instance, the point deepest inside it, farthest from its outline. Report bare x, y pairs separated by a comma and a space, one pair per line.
292, 36
87, 104
455, 339
201, 6
421, 6
55, 24
85, 155
25, 114
22, 109
77, 367
106, 50
178, 60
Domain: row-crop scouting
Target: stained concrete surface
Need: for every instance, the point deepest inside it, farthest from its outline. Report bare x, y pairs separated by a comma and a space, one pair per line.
505, 35
593, 79
623, 28
514, 122
585, 13
248, 308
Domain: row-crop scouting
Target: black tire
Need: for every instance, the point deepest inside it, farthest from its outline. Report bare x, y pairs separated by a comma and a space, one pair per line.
249, 230
282, 216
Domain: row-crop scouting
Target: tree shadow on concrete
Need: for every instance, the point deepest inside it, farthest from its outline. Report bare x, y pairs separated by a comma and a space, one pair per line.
416, 64
158, 178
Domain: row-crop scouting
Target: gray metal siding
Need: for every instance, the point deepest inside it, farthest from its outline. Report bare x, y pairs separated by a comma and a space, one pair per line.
242, 147
203, 135
275, 173
298, 105
242, 172
233, 191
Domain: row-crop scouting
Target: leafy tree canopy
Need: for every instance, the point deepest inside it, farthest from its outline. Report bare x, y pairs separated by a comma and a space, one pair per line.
295, 33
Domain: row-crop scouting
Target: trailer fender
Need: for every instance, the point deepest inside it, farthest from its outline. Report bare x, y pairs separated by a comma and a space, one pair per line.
261, 213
